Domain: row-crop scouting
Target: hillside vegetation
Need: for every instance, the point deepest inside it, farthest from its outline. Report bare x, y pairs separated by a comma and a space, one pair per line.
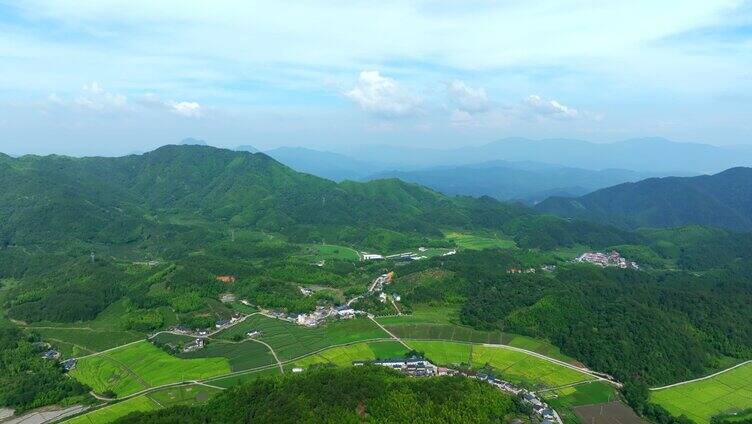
722, 200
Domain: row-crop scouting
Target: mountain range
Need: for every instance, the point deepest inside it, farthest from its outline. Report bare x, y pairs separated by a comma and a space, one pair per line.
720, 200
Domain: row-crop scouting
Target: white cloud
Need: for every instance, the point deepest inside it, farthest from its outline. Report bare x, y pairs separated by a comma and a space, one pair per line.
382, 96
187, 109
94, 97
466, 98
549, 108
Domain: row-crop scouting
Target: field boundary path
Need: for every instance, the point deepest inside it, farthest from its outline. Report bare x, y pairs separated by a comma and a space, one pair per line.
281, 369
701, 378
389, 332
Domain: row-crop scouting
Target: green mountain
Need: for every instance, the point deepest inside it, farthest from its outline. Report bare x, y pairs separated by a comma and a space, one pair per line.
721, 200
526, 181
138, 199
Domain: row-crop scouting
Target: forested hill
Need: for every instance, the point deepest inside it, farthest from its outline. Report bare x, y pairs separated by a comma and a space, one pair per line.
151, 197
351, 395
720, 200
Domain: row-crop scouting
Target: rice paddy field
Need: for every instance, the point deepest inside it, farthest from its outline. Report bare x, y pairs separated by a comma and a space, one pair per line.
700, 400
184, 395
565, 399
111, 413
514, 366
291, 341
142, 365
343, 356
241, 355
451, 332
237, 379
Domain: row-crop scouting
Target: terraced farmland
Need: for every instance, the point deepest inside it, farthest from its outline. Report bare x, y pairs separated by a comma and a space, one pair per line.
425, 331
142, 365
344, 356
291, 341
700, 400
517, 367
242, 355
111, 413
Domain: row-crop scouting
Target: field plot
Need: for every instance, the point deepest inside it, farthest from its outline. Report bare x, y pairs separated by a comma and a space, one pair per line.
343, 356
111, 413
480, 242
424, 331
565, 399
242, 355
290, 340
443, 353
729, 391
539, 346
319, 252
235, 380
139, 366
183, 395
609, 413
525, 369
424, 314
82, 341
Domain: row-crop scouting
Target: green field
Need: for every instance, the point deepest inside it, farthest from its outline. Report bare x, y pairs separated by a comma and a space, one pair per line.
111, 413
343, 356
480, 242
76, 342
320, 252
514, 366
183, 395
242, 355
563, 400
235, 380
450, 332
539, 346
424, 314
140, 366
291, 341
729, 391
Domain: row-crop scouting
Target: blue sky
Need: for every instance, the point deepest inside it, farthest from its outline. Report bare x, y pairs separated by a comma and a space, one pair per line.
111, 77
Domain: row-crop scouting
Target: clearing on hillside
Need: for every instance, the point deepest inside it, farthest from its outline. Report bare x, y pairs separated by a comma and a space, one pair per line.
700, 400
142, 365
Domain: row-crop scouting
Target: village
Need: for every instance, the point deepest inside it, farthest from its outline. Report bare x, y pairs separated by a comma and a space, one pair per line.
613, 259
416, 366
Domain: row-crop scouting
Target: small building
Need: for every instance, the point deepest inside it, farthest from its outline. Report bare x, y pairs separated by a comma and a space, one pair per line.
396, 297
69, 364
254, 333
193, 346
51, 354
371, 256
345, 312
297, 370
222, 323
382, 297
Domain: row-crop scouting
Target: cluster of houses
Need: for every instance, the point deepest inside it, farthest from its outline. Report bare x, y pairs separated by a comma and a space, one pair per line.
420, 367
405, 256
54, 355
604, 260
193, 345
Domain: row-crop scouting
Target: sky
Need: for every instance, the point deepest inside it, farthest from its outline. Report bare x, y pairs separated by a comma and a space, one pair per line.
113, 77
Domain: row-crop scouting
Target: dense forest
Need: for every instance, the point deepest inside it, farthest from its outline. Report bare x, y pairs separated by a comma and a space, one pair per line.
351, 395
654, 327
722, 200
29, 381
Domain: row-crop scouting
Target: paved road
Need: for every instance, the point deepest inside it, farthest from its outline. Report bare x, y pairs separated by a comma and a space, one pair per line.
702, 378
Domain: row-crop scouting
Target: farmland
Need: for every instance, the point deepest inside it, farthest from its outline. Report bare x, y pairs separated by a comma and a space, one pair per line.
479, 242
345, 355
700, 400
424, 331
111, 413
140, 366
514, 366
565, 399
241, 355
234, 380
290, 340
82, 341
319, 252
184, 395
